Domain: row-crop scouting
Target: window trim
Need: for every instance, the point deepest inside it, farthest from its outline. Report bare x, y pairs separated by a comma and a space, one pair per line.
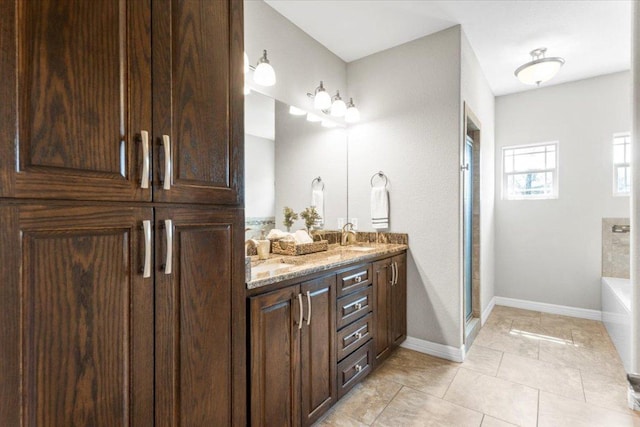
555, 194
615, 166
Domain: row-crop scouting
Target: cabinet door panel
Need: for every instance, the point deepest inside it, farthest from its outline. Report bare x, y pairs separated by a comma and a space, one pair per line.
78, 299
318, 355
382, 308
399, 301
76, 95
198, 324
275, 358
198, 99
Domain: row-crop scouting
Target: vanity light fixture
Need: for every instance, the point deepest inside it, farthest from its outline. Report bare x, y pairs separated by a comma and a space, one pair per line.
295, 111
313, 118
540, 69
338, 107
264, 74
321, 98
352, 115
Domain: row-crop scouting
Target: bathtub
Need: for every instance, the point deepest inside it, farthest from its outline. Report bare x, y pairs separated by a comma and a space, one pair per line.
616, 315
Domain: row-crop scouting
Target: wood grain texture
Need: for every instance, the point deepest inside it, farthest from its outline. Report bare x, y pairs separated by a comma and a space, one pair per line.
348, 310
86, 328
398, 329
382, 308
275, 358
83, 94
198, 99
197, 365
318, 355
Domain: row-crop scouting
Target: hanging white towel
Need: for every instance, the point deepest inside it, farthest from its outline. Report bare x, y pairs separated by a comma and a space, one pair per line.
379, 207
317, 200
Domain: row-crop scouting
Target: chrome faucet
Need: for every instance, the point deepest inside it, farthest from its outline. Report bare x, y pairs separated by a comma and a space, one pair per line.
348, 235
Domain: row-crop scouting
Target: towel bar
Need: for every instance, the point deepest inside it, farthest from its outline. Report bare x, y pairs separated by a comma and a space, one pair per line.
382, 176
319, 181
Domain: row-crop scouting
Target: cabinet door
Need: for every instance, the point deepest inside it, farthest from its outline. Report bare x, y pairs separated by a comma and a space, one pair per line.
200, 329
318, 355
382, 307
276, 319
76, 94
198, 100
398, 328
76, 342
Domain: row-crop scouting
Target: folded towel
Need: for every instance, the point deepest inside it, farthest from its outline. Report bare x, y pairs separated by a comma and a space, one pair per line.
302, 236
277, 234
379, 207
317, 200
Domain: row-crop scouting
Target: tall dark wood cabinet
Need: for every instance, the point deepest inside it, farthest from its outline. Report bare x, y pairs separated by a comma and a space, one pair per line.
121, 213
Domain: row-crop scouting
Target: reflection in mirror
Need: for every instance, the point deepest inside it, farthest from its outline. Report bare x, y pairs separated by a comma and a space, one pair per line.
284, 153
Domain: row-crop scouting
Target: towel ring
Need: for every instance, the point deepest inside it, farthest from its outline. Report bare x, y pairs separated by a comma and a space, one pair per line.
380, 175
319, 181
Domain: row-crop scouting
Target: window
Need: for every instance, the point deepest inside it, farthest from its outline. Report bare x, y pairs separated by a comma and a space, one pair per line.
530, 172
621, 164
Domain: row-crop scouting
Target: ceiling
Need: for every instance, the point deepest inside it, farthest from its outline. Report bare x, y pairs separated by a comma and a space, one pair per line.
593, 36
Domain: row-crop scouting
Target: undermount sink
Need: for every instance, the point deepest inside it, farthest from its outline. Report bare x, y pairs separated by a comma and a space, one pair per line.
360, 248
270, 268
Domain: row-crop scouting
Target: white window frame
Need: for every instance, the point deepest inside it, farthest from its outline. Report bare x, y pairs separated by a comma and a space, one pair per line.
627, 138
553, 171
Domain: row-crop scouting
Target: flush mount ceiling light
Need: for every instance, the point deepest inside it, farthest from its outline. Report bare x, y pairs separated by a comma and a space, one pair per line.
264, 74
338, 107
540, 69
352, 114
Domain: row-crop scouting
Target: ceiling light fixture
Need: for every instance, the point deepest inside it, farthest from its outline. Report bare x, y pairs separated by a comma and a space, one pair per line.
264, 74
338, 107
352, 114
540, 69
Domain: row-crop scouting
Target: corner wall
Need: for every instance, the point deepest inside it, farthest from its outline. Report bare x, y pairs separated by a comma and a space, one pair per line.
550, 250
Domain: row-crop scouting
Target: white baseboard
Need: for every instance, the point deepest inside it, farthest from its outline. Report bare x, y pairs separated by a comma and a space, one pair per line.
434, 349
487, 311
564, 310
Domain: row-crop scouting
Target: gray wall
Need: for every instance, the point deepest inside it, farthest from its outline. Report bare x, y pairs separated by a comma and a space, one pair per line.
477, 94
409, 98
550, 250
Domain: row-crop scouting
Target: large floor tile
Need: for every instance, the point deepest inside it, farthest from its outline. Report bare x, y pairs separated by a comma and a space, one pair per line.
367, 400
557, 320
534, 329
413, 408
489, 421
596, 341
557, 411
606, 391
496, 397
339, 420
483, 359
501, 311
508, 342
581, 358
546, 376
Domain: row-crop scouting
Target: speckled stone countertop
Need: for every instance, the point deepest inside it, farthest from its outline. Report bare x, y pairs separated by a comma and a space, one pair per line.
298, 266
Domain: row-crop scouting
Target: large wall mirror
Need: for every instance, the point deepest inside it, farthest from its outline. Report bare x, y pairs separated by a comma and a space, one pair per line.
284, 154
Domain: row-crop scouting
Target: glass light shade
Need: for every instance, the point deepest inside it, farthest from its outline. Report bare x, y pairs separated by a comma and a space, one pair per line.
264, 75
352, 114
338, 108
295, 111
328, 124
246, 63
539, 71
322, 100
313, 118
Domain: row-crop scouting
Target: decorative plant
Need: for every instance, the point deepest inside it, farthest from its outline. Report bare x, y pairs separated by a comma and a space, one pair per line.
289, 217
310, 216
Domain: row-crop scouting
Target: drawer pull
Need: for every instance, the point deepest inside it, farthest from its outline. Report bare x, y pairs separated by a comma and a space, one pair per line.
356, 304
357, 334
358, 368
358, 279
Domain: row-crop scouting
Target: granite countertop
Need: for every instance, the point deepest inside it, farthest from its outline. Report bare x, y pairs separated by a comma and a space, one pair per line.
266, 272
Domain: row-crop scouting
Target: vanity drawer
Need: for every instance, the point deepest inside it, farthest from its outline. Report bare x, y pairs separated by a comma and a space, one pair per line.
354, 368
354, 306
354, 279
353, 336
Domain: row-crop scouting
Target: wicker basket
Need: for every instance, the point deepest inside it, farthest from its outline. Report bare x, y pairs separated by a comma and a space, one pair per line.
287, 247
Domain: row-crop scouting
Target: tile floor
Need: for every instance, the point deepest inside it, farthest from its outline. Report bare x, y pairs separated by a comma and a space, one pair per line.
525, 368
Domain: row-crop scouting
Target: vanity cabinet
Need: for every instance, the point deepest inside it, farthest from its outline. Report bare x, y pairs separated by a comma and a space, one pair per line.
390, 302
121, 213
293, 365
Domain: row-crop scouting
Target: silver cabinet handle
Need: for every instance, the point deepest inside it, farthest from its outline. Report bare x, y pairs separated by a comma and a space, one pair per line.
168, 226
395, 264
301, 313
357, 334
358, 279
146, 226
357, 304
166, 142
393, 273
309, 302
144, 179
358, 368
